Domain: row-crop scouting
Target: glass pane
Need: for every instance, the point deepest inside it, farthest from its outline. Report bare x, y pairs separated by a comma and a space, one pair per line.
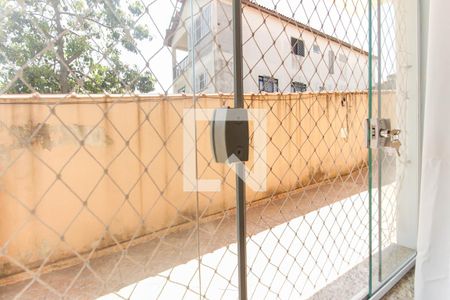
392, 242
94, 202
308, 228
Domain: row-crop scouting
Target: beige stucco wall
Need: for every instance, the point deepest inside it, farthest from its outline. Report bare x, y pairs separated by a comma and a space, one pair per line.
80, 174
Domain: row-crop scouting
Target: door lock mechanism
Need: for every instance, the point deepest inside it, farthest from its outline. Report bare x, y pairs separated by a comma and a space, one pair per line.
381, 135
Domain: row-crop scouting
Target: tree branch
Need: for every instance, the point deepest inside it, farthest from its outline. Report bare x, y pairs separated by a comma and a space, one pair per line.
86, 18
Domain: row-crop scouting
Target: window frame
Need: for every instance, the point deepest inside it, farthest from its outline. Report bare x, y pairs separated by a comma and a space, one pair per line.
298, 87
316, 48
343, 58
331, 61
200, 83
202, 23
297, 47
265, 81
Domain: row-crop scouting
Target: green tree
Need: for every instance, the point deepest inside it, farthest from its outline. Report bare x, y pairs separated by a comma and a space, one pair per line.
62, 46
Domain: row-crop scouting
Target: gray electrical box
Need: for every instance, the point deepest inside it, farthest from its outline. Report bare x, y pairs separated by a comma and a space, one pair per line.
229, 135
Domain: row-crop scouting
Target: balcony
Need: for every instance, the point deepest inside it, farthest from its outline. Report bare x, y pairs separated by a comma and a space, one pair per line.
181, 67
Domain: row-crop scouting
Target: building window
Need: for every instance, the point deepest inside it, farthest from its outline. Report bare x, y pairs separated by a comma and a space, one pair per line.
298, 47
202, 23
200, 84
298, 87
343, 58
268, 84
331, 59
316, 48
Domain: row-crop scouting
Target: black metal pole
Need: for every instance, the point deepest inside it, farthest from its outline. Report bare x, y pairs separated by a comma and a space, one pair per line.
240, 184
237, 55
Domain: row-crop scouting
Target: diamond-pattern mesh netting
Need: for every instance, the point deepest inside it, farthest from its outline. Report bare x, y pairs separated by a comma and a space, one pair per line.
390, 100
96, 142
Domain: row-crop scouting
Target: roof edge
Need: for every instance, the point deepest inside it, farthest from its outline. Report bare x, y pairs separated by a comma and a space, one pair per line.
294, 22
249, 3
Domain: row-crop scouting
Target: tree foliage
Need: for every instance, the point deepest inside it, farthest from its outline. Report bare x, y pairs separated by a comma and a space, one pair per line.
62, 46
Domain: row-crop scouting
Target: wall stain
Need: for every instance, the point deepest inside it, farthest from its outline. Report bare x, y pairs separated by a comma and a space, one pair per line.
48, 137
35, 134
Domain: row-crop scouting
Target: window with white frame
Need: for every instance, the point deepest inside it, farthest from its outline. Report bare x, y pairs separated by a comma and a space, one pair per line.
298, 47
343, 58
202, 23
200, 83
298, 87
268, 84
316, 48
331, 59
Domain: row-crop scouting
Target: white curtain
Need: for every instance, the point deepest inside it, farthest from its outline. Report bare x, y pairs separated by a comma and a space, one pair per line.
433, 248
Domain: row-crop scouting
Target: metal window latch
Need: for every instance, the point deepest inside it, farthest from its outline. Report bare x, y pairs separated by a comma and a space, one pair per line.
381, 135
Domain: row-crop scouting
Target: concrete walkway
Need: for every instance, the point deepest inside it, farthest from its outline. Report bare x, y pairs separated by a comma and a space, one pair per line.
297, 245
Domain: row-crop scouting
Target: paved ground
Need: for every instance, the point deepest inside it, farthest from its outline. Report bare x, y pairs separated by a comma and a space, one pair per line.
297, 245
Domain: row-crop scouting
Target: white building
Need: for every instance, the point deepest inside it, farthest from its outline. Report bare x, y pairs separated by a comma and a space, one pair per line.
280, 54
